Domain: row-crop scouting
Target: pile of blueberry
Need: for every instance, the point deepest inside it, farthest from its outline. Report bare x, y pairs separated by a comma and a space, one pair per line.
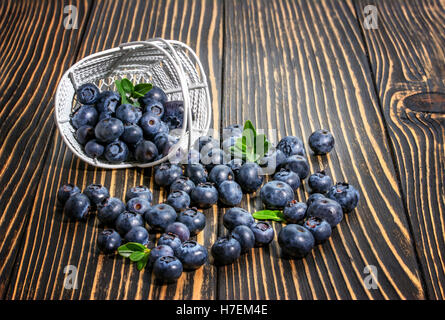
211, 175
119, 132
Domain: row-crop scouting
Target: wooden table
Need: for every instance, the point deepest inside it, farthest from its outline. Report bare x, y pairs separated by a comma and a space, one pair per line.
294, 66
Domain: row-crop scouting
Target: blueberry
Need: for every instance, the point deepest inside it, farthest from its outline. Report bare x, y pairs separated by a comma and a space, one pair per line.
155, 93
346, 195
320, 229
326, 209
170, 239
166, 174
108, 241
108, 101
319, 182
179, 200
138, 234
66, 191
294, 211
77, 206
275, 194
235, 165
109, 129
213, 158
127, 221
226, 250
182, 184
96, 193
249, 177
205, 144
291, 145
272, 160
313, 197
145, 151
236, 217
138, 205
116, 152
139, 192
179, 229
132, 134
160, 251
175, 156
295, 241
245, 237
192, 255
167, 268
204, 195
230, 193
105, 115
84, 134
154, 107
109, 209
263, 232
94, 149
196, 172
321, 141
128, 113
298, 164
150, 124
173, 114
88, 93
289, 177
164, 128
220, 173
161, 139
234, 130
84, 116
160, 216
194, 220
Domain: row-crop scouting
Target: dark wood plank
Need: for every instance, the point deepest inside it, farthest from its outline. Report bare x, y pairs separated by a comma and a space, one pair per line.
31, 62
407, 57
297, 67
51, 241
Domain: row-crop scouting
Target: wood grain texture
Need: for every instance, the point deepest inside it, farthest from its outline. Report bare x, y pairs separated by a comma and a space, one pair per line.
51, 241
31, 62
297, 67
407, 57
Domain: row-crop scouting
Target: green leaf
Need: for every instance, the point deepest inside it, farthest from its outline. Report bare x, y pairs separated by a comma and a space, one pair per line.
124, 251
136, 94
121, 91
136, 246
143, 262
248, 125
137, 255
275, 215
127, 86
142, 88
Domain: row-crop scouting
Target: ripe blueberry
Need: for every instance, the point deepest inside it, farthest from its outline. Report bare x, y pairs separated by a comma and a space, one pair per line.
194, 220
263, 232
326, 209
346, 195
192, 255
170, 239
321, 141
108, 241
245, 237
160, 216
160, 250
226, 250
109, 129
275, 194
128, 113
132, 134
214, 157
94, 149
272, 160
155, 93
88, 93
66, 191
179, 229
294, 211
220, 173
235, 165
313, 197
230, 193
116, 151
249, 177
182, 184
84, 116
154, 107
295, 241
127, 221
196, 172
289, 177
298, 164
150, 124
96, 193
109, 209
145, 151
84, 134
138, 234
138, 205
291, 145
139, 192
319, 182
179, 200
166, 174
108, 101
237, 216
77, 206
204, 195
320, 229
167, 268
173, 114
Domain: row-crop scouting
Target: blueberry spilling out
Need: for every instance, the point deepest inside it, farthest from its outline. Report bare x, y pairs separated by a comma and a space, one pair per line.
249, 177
221, 173
289, 177
170, 239
96, 193
160, 216
245, 237
77, 206
320, 229
230, 193
226, 250
127, 221
192, 255
138, 234
298, 164
179, 200
66, 191
139, 192
194, 220
138, 205
275, 194
108, 241
196, 172
294, 211
160, 250
167, 268
319, 182
179, 229
109, 209
263, 232
295, 241
237, 216
204, 195
173, 114
291, 145
346, 195
167, 173
182, 184
326, 209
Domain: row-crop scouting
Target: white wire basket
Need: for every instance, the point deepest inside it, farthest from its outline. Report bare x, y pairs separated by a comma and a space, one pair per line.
168, 64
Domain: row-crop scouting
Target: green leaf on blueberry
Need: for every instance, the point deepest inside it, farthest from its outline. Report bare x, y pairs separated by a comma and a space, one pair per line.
275, 215
251, 146
136, 252
129, 93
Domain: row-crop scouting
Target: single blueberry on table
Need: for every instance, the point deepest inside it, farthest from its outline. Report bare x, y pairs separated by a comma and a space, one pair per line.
313, 197
230, 193
320, 229
138, 205
237, 216
194, 220
84, 116
170, 239
250, 177
155, 93
116, 151
182, 184
326, 209
108, 101
150, 124
173, 114
127, 221
291, 145
263, 232
108, 241
204, 195
94, 149
221, 173
66, 191
179, 229
245, 237
138, 234
154, 107
145, 151
294, 211
179, 200
320, 182
226, 250
88, 93
77, 206
346, 195
160, 216
235, 165
196, 172
128, 113
321, 142
160, 250
139, 192
96, 193
192, 255
295, 241
84, 134
289, 177
275, 194
167, 268
108, 130
298, 164
167, 173
109, 209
